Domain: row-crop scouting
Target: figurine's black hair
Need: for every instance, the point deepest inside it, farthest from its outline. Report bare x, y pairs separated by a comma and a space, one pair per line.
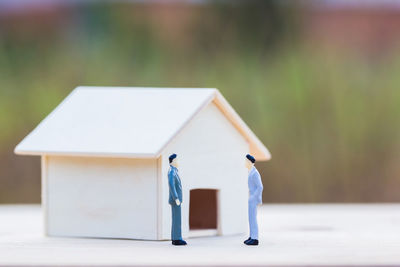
172, 157
251, 158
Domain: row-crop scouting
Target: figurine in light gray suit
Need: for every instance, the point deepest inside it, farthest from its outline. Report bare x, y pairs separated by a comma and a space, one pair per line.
175, 200
255, 199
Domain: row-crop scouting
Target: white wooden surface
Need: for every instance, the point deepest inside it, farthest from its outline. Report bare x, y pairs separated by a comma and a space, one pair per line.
291, 235
125, 122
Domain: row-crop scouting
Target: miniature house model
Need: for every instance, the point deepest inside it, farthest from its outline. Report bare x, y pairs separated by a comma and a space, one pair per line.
105, 155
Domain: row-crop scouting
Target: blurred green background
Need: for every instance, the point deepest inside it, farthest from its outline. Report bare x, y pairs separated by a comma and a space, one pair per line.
317, 81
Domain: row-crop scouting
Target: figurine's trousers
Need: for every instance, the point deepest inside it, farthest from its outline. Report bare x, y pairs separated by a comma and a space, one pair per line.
253, 220
176, 231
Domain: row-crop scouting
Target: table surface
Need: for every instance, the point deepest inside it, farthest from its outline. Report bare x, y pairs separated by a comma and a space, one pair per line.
290, 235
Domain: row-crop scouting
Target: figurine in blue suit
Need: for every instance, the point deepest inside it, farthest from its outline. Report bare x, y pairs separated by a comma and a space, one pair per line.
255, 199
175, 200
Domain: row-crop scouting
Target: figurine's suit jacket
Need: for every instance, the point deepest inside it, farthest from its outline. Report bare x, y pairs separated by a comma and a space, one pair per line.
255, 186
175, 186
255, 198
175, 192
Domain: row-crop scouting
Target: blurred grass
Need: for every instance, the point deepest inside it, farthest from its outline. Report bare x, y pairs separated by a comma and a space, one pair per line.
329, 117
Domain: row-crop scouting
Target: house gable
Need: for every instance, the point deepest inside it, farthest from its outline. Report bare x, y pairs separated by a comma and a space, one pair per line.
211, 153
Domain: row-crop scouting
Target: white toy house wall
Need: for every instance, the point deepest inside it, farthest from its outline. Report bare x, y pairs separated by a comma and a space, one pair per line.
100, 197
211, 155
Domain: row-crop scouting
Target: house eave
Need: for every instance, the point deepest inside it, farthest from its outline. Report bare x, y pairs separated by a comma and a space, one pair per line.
257, 148
86, 154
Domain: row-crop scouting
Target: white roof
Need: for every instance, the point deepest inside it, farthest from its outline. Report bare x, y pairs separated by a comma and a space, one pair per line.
126, 122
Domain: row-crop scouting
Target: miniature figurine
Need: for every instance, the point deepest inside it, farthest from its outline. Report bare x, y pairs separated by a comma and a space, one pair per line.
175, 200
255, 199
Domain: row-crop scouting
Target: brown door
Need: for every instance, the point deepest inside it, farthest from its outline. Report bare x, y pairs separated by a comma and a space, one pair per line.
203, 209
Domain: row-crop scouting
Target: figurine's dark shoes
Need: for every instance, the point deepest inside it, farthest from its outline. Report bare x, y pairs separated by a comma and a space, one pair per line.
179, 242
252, 242
247, 240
